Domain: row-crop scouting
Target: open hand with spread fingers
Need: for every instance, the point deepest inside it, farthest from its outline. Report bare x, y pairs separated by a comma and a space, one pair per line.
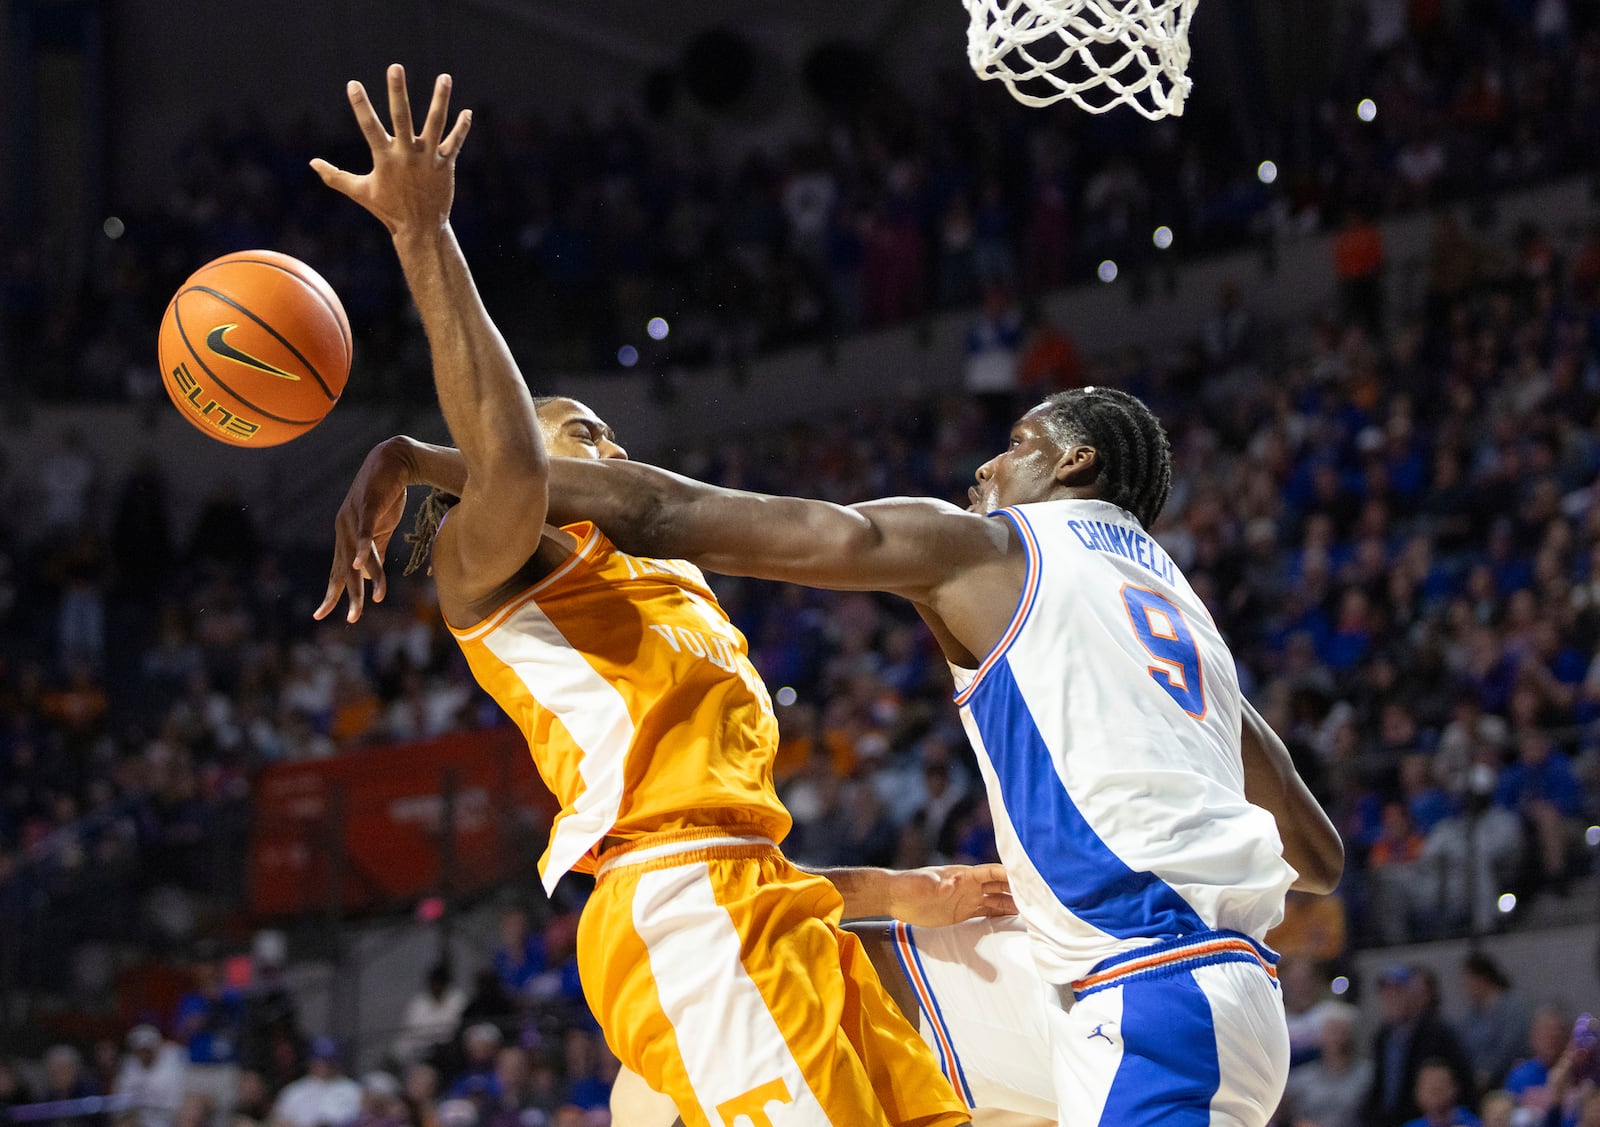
412, 182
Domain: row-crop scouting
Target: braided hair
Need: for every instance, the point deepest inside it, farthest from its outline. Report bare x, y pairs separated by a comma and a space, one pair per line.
1135, 460
426, 527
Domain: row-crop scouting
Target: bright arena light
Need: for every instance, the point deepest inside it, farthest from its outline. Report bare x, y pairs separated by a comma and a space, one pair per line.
1266, 172
1507, 901
1162, 238
1367, 109
1340, 985
1107, 271
1592, 835
786, 696
657, 328
627, 356
113, 227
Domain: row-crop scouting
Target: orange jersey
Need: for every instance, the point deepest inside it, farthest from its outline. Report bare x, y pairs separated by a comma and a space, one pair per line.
637, 697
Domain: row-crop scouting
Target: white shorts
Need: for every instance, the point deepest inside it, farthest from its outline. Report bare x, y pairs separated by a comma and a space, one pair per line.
985, 1011
1185, 1033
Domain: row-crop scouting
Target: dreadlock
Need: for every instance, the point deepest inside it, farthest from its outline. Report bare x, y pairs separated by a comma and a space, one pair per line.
429, 517
1135, 461
437, 504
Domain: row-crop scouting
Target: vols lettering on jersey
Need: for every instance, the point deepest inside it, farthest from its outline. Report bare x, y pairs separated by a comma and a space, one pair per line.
637, 698
1107, 727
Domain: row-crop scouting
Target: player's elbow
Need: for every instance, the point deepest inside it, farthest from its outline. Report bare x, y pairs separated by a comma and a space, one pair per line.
1323, 868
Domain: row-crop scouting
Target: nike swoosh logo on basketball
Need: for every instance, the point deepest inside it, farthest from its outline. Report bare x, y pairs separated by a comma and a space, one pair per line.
215, 341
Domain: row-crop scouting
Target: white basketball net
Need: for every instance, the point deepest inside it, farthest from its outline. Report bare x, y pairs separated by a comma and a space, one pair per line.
1099, 53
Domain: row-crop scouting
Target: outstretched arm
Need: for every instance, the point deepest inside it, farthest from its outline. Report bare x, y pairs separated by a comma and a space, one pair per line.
1310, 843
906, 546
486, 405
910, 547
933, 896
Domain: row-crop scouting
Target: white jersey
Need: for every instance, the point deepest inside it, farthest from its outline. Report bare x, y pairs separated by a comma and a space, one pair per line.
1107, 727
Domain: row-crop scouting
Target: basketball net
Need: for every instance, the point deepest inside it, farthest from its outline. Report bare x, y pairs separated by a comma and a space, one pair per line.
1099, 53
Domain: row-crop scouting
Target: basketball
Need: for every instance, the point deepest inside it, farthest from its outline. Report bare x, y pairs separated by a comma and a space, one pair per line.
255, 348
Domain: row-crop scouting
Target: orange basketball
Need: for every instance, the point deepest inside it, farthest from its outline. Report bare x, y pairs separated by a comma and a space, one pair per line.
255, 348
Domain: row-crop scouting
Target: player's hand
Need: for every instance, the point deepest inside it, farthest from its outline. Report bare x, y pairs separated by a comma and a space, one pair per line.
412, 182
947, 894
366, 522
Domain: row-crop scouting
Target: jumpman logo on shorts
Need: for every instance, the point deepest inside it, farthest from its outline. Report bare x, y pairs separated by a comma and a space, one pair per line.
1099, 1031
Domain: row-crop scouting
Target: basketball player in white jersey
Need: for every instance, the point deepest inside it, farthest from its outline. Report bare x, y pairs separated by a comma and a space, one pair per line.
1103, 705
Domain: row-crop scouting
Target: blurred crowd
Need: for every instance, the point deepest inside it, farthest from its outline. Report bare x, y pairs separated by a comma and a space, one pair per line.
877, 211
1499, 1059
518, 1049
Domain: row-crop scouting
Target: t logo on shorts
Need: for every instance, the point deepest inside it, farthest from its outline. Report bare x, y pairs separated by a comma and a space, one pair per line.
753, 1104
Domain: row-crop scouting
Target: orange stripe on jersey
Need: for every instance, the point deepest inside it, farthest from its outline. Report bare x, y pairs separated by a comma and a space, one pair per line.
637, 697
1205, 950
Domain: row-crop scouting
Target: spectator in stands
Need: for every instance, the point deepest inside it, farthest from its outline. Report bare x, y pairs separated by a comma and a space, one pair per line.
323, 1097
105, 1065
210, 1023
67, 477
993, 342
271, 1017
1331, 1089
1547, 1039
1306, 999
587, 1086
152, 1077
421, 1095
1049, 361
66, 1079
1412, 1032
480, 1045
197, 1110
252, 1102
381, 1102
1402, 889
546, 1088
1498, 1109
512, 1100
1436, 1096
431, 1017
13, 1090
1540, 786
519, 956
490, 1000
1471, 857
1494, 1029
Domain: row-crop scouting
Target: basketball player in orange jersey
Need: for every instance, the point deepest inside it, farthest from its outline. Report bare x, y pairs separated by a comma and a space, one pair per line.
715, 968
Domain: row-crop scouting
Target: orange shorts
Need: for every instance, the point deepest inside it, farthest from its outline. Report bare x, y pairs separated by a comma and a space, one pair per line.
719, 973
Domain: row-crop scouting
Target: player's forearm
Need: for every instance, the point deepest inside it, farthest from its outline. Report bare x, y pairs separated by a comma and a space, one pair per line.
485, 402
867, 893
1310, 842
645, 510
441, 467
905, 547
